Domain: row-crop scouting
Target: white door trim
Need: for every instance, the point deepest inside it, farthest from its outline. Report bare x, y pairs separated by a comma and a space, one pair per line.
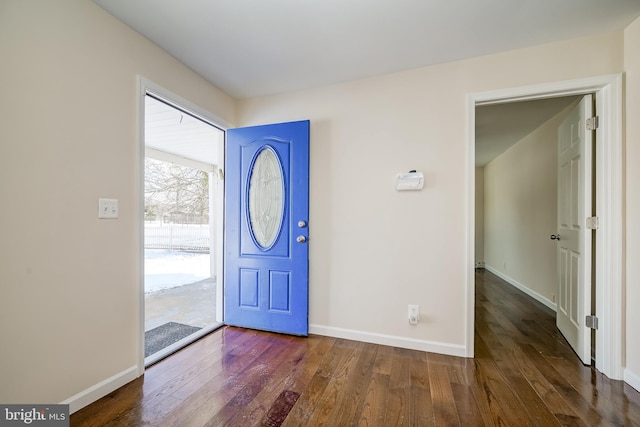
609, 199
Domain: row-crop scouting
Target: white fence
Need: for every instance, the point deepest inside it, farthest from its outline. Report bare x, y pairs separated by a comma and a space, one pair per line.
186, 237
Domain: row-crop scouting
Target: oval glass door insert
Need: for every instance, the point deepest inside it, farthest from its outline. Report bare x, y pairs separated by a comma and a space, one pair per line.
266, 198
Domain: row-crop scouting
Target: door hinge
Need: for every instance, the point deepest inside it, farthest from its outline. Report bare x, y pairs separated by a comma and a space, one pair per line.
593, 122
593, 223
591, 322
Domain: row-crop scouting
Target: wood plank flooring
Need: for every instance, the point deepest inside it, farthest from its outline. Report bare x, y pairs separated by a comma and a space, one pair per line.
524, 374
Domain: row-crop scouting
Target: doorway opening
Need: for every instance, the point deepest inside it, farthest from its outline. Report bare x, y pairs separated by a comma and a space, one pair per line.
608, 186
521, 194
181, 227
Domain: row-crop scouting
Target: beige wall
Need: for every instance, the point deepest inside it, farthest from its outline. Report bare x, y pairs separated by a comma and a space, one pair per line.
632, 69
70, 291
69, 307
479, 217
374, 250
520, 212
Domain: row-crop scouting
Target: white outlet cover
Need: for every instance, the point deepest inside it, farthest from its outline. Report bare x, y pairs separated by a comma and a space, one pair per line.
414, 313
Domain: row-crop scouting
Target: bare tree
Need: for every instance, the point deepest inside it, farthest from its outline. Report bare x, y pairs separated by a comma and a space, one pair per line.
175, 190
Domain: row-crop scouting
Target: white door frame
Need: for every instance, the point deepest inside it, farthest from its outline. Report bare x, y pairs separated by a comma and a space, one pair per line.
609, 199
146, 86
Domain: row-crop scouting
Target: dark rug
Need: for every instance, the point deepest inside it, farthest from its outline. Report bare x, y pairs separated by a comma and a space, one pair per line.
164, 335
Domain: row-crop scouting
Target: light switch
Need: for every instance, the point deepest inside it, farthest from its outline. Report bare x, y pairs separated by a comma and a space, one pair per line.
108, 208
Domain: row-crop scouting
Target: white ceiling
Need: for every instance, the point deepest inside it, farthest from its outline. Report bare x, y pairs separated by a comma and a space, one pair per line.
173, 131
500, 126
251, 48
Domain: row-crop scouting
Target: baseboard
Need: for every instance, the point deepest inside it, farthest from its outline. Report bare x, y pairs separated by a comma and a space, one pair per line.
632, 379
533, 294
390, 340
101, 389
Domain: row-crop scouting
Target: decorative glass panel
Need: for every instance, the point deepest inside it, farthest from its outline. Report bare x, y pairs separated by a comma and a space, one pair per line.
266, 192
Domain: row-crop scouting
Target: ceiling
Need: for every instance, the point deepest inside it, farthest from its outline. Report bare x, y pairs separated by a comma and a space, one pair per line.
173, 131
252, 48
499, 126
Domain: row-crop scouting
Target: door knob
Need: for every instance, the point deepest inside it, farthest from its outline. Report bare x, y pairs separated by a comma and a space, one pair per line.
555, 237
301, 239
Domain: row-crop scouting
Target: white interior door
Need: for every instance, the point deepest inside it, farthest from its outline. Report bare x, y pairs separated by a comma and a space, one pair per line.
574, 238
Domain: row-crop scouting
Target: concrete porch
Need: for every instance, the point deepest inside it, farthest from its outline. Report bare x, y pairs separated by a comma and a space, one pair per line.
193, 304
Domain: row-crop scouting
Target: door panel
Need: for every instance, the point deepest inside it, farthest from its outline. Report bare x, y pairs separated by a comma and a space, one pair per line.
574, 244
266, 197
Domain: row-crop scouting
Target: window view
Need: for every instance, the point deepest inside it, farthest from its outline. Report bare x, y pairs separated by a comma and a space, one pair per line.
179, 229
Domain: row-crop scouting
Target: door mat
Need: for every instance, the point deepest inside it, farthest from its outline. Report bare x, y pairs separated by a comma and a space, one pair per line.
164, 335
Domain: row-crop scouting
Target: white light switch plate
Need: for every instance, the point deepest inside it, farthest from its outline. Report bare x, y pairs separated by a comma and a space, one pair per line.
108, 208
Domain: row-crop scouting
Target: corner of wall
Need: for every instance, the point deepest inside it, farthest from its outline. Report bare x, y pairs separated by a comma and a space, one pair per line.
97, 391
632, 379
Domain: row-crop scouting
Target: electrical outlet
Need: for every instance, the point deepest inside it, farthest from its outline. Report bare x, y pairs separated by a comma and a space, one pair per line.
414, 314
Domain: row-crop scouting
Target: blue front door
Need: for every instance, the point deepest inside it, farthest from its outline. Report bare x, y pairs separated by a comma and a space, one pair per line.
266, 231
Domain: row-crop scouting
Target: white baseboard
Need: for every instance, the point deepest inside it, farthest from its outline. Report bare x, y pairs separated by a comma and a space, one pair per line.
533, 294
101, 389
632, 379
390, 340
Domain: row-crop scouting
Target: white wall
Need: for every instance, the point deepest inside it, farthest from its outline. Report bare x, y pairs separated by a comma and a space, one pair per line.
374, 250
479, 217
521, 210
632, 69
69, 304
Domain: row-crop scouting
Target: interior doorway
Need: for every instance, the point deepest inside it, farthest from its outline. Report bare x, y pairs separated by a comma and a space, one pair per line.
181, 226
608, 183
518, 202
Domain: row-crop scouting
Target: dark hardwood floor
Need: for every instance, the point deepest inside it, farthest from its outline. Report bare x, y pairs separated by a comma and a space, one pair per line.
524, 374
